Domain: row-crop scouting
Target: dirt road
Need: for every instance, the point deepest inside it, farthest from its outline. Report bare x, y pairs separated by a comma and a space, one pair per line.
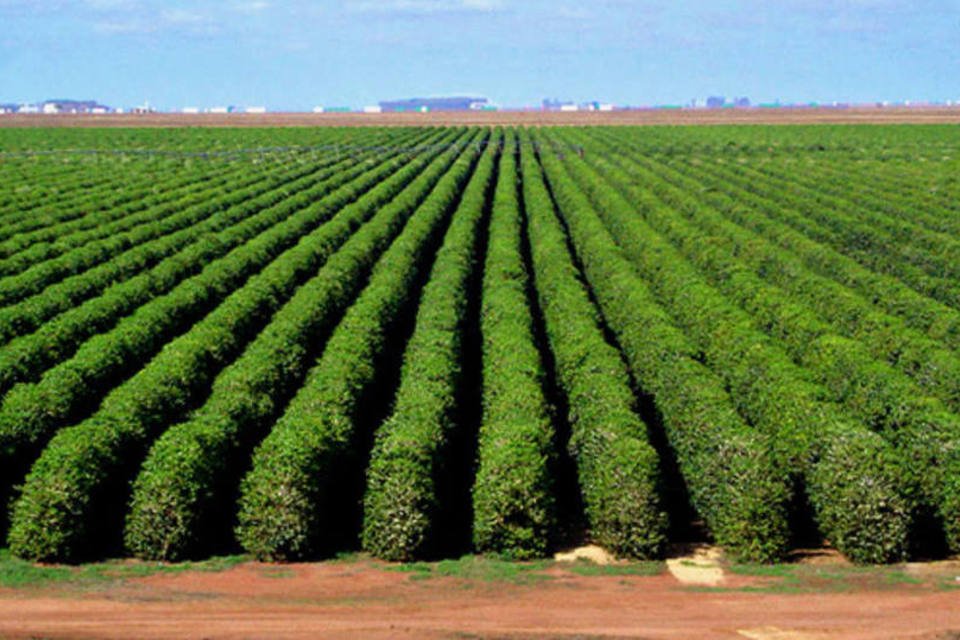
366, 600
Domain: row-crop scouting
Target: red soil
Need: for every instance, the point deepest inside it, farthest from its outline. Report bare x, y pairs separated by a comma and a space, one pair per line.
866, 115
362, 600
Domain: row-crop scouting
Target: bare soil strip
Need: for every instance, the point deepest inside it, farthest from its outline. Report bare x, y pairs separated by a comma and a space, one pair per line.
368, 600
821, 115
702, 567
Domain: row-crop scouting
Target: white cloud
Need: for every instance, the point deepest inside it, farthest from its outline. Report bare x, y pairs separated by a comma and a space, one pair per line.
166, 20
573, 13
111, 5
182, 17
253, 6
120, 27
421, 7
482, 5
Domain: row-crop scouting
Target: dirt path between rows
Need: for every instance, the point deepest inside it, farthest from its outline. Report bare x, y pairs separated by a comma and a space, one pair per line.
365, 600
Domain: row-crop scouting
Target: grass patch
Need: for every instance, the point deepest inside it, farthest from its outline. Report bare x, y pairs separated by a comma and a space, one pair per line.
587, 568
897, 578
479, 569
18, 574
794, 578
276, 572
949, 584
763, 570
15, 573
493, 569
347, 557
774, 578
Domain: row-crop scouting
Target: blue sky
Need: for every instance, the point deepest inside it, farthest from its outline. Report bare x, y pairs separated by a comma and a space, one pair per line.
294, 55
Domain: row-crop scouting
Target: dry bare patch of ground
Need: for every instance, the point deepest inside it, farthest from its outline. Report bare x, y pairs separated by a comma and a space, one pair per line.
859, 115
819, 598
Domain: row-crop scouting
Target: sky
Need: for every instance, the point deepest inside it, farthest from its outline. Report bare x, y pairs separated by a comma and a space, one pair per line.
295, 55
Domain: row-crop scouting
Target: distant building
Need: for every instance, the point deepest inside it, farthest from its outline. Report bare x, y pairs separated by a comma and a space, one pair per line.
373, 109
219, 110
423, 105
73, 106
143, 109
256, 109
318, 109
593, 105
569, 107
190, 110
553, 104
28, 108
720, 102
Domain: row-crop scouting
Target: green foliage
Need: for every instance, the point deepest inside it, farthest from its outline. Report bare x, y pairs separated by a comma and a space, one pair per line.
299, 461
617, 467
140, 205
36, 278
69, 483
31, 412
190, 468
25, 358
21, 574
483, 569
785, 299
735, 482
410, 459
889, 399
224, 203
866, 514
886, 315
513, 501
